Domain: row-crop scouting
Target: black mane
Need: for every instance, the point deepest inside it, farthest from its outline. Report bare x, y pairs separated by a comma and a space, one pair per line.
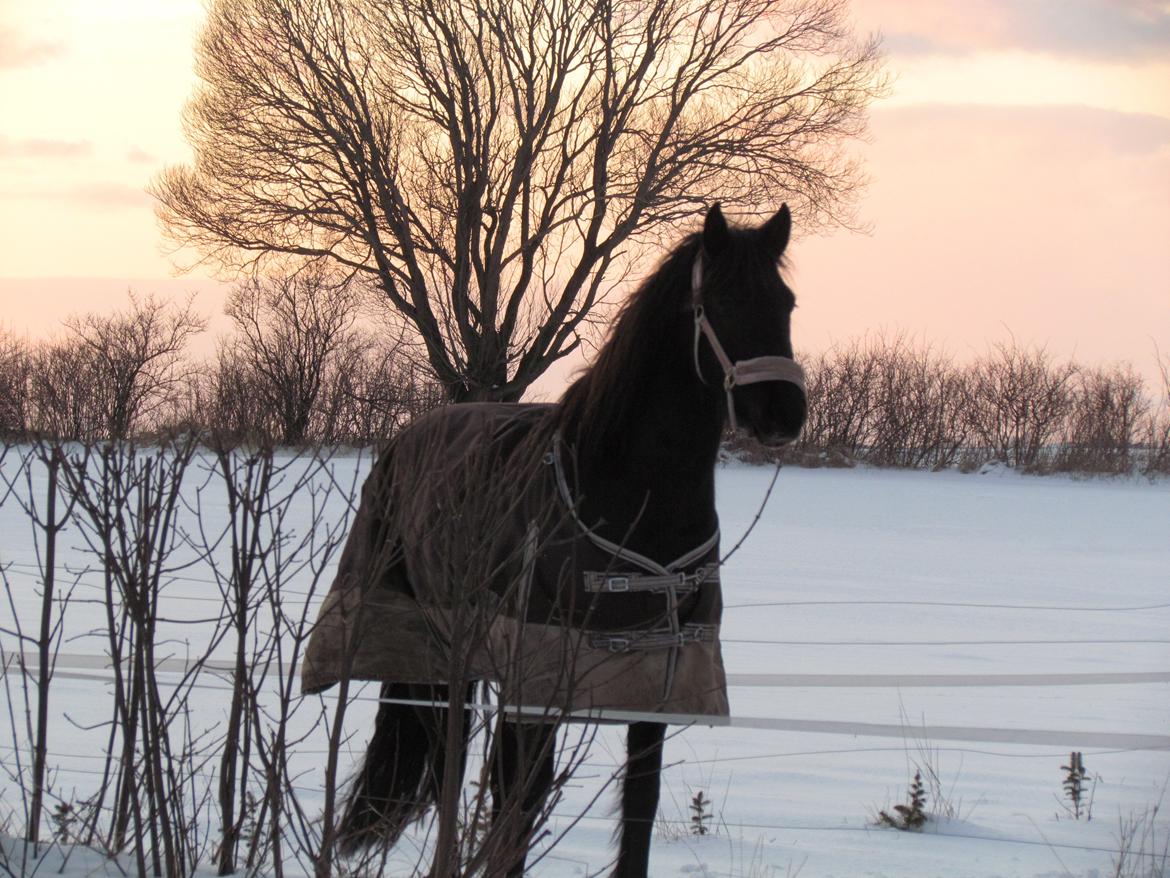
597, 404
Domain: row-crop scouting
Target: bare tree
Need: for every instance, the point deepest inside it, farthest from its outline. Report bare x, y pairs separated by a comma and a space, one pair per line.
842, 390
920, 399
1019, 399
138, 355
67, 399
128, 503
486, 164
15, 368
1108, 408
293, 331
376, 394
1157, 430
48, 514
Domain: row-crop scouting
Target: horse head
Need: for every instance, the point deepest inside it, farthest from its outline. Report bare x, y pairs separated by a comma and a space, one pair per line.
743, 322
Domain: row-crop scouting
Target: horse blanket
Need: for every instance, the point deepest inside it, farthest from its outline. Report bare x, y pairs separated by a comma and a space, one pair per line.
467, 560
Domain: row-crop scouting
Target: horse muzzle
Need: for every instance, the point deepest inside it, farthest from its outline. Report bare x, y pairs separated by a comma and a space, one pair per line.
783, 415
773, 406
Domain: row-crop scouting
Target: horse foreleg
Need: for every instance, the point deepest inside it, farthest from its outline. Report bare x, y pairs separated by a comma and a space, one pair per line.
639, 798
521, 777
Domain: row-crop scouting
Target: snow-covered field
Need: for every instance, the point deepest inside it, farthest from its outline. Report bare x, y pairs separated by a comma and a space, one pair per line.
982, 626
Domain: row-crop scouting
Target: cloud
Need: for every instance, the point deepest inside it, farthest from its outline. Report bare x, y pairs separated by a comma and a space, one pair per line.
1068, 130
1097, 30
140, 156
16, 51
99, 194
107, 195
44, 148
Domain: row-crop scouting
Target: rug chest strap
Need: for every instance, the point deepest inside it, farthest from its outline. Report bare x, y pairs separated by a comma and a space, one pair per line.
614, 583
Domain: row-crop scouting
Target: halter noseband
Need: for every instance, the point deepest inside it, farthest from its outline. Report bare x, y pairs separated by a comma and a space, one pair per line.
751, 371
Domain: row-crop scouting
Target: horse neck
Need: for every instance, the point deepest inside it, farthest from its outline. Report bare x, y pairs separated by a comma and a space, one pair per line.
653, 486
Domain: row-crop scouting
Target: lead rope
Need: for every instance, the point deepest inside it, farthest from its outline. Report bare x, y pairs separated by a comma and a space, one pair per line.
756, 519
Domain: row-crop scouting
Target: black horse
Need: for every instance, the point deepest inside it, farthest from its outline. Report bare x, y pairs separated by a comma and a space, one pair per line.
704, 342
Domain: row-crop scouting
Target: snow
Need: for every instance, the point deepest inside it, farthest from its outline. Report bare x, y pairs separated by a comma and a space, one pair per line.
1045, 602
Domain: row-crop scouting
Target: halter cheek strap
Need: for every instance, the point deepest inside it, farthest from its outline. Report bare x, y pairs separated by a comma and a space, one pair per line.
751, 371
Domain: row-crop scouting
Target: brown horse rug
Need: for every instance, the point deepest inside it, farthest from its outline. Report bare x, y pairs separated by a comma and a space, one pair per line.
467, 560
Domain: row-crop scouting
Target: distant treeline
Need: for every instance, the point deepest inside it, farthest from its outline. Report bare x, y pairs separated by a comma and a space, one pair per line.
890, 402
298, 371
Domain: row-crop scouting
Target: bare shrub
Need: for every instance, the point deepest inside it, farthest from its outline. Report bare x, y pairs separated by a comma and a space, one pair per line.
137, 359
253, 553
376, 394
156, 791
1143, 845
1109, 405
467, 618
1018, 399
110, 376
917, 401
1156, 435
886, 400
128, 500
298, 371
66, 398
15, 369
32, 662
225, 401
842, 388
293, 330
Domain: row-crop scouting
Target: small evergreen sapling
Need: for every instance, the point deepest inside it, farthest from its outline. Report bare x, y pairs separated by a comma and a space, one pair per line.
700, 814
912, 815
64, 818
1080, 800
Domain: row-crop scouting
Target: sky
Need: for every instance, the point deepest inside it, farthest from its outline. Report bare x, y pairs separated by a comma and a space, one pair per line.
1019, 175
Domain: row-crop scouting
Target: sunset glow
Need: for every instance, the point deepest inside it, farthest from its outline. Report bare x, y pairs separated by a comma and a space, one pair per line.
1020, 173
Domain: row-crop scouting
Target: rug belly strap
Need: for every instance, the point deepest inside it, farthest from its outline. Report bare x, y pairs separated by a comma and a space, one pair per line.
654, 638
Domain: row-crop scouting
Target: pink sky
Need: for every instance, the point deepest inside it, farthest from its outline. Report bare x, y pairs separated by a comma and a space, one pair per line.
1020, 174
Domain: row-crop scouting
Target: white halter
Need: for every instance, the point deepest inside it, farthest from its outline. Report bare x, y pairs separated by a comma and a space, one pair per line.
750, 371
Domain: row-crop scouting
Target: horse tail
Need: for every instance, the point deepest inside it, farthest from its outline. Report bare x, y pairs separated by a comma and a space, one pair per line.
401, 776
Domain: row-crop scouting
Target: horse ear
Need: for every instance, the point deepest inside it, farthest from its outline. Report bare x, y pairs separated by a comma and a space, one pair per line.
776, 231
715, 234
